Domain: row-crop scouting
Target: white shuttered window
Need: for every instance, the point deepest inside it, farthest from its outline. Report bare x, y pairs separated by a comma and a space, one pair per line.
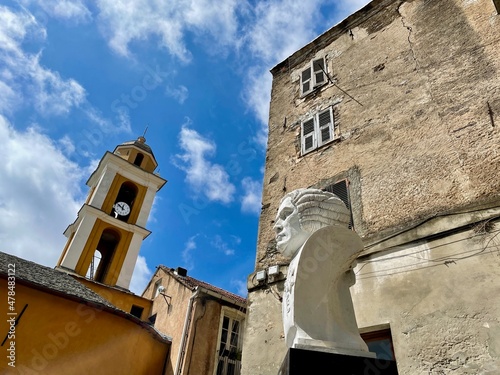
313, 76
317, 130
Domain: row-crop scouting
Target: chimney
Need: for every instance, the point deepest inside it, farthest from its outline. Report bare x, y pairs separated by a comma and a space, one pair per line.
181, 271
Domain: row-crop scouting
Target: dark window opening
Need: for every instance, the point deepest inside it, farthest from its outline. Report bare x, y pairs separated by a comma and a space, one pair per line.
341, 190
106, 247
124, 201
136, 311
138, 159
152, 319
380, 342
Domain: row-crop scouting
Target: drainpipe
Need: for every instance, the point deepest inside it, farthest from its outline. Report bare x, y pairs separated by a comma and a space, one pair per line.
182, 349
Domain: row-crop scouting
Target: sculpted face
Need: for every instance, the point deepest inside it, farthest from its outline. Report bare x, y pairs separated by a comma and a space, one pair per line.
289, 234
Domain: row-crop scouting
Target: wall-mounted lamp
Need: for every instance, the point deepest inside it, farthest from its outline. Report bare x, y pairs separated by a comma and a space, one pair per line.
168, 299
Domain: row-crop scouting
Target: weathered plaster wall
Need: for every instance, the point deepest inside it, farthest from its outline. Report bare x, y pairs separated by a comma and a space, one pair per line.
416, 101
437, 296
200, 355
170, 316
425, 78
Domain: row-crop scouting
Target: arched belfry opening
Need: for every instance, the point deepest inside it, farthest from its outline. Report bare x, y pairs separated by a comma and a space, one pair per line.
124, 201
138, 159
103, 255
104, 241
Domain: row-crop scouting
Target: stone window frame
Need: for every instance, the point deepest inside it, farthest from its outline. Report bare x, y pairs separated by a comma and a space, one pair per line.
313, 76
312, 130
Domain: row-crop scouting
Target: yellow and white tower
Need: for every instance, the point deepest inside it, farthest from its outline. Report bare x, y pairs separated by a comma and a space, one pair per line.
104, 241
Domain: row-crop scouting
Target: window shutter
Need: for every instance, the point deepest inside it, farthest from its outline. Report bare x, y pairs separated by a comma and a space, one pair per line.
319, 74
308, 135
341, 190
325, 121
306, 80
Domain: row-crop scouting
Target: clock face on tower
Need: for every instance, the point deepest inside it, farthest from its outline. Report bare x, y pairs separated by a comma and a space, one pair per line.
121, 208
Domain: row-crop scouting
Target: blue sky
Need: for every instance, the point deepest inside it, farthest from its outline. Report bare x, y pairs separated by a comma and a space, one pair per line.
79, 77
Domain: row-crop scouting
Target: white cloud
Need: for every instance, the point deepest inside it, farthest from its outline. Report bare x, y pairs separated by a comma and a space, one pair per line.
67, 145
74, 10
8, 98
125, 21
187, 256
257, 95
121, 122
180, 94
141, 276
22, 74
52, 94
223, 246
39, 195
203, 176
240, 286
282, 27
251, 201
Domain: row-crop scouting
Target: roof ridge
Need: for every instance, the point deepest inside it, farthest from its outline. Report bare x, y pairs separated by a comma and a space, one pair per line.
185, 280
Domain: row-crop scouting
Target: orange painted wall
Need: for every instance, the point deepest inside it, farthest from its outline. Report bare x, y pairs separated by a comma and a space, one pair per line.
121, 299
60, 336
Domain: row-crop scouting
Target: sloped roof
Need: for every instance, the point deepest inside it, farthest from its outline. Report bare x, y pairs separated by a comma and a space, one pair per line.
49, 278
143, 146
139, 143
60, 283
192, 283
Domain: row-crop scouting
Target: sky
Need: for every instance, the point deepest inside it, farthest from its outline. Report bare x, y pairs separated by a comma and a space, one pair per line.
79, 77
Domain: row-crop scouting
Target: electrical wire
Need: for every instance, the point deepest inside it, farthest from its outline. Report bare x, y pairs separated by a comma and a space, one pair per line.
444, 260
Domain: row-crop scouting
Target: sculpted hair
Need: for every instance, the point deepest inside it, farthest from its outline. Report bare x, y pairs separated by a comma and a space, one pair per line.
318, 209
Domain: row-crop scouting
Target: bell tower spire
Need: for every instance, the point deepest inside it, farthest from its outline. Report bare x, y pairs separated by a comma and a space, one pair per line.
104, 241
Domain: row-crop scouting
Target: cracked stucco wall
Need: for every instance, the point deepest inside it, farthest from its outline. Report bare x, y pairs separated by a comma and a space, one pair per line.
416, 97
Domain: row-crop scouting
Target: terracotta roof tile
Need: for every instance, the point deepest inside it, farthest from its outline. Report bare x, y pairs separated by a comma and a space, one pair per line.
192, 283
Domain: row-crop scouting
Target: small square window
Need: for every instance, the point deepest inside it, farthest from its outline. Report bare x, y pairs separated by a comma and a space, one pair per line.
313, 76
136, 311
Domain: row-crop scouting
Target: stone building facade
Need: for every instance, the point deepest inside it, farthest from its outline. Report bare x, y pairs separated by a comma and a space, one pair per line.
397, 110
205, 323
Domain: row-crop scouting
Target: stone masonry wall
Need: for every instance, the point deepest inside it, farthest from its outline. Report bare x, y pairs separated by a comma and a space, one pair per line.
416, 95
417, 106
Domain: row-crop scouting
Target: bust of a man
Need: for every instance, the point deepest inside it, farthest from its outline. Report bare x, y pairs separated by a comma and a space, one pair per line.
312, 228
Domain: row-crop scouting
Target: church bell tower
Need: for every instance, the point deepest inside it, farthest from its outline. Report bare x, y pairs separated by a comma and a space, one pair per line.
104, 241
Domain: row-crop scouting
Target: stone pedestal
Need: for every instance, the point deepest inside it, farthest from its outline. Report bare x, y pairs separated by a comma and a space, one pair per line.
303, 362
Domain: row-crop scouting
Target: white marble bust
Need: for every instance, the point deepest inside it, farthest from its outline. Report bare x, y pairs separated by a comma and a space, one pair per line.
312, 229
